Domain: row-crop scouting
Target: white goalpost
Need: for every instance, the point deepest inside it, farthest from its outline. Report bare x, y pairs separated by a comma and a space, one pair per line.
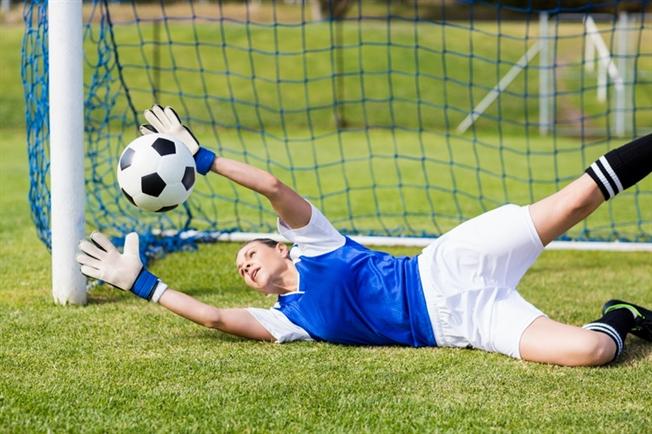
66, 94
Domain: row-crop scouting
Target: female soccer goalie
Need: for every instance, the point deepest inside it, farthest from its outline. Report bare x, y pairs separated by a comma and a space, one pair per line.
459, 292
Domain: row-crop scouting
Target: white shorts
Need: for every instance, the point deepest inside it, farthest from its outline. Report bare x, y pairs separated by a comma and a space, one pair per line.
469, 277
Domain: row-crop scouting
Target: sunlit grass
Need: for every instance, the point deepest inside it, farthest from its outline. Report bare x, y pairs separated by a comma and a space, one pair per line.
122, 365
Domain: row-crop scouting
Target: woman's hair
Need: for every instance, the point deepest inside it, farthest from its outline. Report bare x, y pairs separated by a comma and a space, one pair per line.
266, 241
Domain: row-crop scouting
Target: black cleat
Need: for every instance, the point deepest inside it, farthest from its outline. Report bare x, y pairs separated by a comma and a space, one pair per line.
643, 317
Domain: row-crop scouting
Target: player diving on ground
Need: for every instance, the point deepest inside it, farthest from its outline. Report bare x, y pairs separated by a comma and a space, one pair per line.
460, 291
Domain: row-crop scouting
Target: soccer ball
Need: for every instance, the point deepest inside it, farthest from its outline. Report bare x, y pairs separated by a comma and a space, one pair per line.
156, 172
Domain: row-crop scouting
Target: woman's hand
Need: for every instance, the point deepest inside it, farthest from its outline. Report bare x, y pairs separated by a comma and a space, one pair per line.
101, 260
166, 121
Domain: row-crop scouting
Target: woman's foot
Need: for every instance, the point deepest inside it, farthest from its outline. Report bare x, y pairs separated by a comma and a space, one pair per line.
642, 316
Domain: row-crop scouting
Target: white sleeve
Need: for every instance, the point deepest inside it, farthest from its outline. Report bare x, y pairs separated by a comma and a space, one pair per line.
316, 238
278, 325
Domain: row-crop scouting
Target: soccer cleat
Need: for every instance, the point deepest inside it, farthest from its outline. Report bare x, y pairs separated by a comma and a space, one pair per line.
642, 316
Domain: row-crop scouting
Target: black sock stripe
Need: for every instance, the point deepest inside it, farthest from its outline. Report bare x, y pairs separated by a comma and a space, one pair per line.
599, 183
607, 175
612, 173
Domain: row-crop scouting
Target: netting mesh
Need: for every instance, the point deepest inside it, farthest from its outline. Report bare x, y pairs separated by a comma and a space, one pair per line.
362, 110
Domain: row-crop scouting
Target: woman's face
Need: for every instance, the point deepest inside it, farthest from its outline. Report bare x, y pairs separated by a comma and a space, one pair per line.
261, 266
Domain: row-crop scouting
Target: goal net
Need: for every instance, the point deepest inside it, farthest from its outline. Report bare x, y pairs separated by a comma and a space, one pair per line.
396, 119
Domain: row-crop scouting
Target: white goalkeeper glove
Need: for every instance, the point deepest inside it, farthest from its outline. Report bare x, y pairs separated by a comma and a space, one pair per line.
167, 121
101, 260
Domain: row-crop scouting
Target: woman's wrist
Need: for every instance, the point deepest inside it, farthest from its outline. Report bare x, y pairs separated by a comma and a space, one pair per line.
158, 292
204, 159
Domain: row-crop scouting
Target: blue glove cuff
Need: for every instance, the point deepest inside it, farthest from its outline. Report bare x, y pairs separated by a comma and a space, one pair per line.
145, 284
204, 160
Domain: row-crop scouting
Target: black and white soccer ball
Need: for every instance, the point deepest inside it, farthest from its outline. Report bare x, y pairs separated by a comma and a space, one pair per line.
156, 172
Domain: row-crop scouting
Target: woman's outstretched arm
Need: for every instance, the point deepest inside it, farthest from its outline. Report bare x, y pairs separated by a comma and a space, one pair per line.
101, 260
291, 208
237, 322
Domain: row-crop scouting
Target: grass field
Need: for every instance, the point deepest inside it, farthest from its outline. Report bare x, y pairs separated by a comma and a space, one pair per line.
120, 364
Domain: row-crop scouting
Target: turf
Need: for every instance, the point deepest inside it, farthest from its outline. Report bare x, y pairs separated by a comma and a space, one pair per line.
120, 364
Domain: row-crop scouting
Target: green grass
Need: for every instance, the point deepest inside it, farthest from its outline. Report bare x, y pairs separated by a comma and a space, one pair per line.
283, 76
120, 364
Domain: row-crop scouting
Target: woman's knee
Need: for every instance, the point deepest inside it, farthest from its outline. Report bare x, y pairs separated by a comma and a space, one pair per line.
555, 214
594, 349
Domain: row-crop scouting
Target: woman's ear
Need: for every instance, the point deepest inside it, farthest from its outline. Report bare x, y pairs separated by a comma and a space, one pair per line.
283, 250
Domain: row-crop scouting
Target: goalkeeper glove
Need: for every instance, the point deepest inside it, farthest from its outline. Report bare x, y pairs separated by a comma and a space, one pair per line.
166, 121
101, 260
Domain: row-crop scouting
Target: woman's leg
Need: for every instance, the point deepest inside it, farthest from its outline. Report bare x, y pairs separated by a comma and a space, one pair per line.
609, 175
557, 213
598, 342
601, 341
548, 341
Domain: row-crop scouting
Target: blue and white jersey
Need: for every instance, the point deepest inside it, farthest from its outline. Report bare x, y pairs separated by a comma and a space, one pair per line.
348, 293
